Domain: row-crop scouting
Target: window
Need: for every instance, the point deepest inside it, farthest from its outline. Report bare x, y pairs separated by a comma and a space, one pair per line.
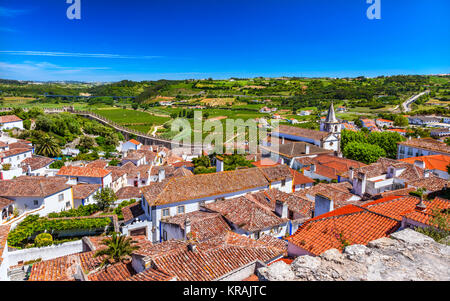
180, 209
67, 204
61, 197
166, 212
283, 183
164, 235
257, 235
35, 202
201, 204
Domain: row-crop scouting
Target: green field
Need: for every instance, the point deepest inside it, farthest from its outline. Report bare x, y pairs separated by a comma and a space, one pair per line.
137, 120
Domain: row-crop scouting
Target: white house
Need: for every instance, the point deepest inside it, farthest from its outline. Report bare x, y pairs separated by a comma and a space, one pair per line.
41, 195
131, 145
186, 194
83, 194
421, 147
10, 122
86, 175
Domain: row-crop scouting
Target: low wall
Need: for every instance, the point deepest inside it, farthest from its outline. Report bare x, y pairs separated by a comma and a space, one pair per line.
45, 253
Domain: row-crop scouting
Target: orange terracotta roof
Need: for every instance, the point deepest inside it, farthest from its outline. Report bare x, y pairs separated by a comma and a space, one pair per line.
264, 162
79, 171
392, 206
134, 141
299, 178
9, 118
439, 162
349, 225
426, 216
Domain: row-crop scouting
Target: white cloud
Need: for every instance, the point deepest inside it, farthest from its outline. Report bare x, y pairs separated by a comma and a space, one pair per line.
75, 54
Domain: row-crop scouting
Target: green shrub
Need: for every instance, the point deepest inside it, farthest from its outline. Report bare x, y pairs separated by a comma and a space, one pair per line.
86, 210
21, 236
118, 209
43, 239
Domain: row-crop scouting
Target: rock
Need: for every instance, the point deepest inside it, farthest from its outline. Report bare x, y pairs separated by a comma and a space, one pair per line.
409, 255
412, 237
278, 271
356, 250
333, 255
306, 262
381, 243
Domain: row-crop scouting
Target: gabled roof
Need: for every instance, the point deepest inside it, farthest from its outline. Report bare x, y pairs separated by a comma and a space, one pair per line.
215, 257
26, 186
299, 178
296, 149
246, 214
132, 211
427, 215
97, 164
431, 183
439, 162
134, 141
9, 118
178, 189
80, 171
428, 144
301, 132
204, 225
129, 192
347, 225
83, 191
14, 152
36, 162
393, 206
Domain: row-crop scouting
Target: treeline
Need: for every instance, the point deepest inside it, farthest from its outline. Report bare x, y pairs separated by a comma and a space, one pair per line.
368, 147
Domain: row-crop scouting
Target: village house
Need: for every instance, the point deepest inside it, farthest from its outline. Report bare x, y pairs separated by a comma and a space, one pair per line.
288, 152
228, 256
437, 164
339, 228
131, 144
327, 138
42, 195
423, 120
129, 193
250, 218
185, 194
326, 167
369, 124
10, 121
83, 194
36, 165
86, 175
197, 225
384, 175
421, 147
384, 123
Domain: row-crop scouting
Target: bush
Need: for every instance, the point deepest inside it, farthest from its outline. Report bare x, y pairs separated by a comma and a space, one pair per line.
57, 164
86, 210
43, 239
21, 236
118, 209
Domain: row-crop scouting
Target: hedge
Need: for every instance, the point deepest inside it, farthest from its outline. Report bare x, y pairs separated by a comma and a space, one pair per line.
80, 211
32, 225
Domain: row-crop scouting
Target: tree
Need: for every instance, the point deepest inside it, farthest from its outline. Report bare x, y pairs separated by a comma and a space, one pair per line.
400, 120
363, 152
86, 143
105, 198
47, 147
118, 248
43, 239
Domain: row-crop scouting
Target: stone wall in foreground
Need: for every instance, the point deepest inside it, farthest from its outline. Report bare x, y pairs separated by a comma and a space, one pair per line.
406, 255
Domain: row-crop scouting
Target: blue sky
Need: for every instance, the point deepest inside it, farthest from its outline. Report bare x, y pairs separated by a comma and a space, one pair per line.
178, 39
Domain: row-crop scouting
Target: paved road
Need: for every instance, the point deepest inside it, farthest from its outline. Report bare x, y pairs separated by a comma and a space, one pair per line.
406, 105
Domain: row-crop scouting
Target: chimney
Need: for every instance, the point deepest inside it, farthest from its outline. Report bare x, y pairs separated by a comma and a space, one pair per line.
187, 228
421, 205
161, 174
138, 177
281, 209
351, 172
219, 164
28, 169
419, 163
282, 140
307, 149
322, 204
